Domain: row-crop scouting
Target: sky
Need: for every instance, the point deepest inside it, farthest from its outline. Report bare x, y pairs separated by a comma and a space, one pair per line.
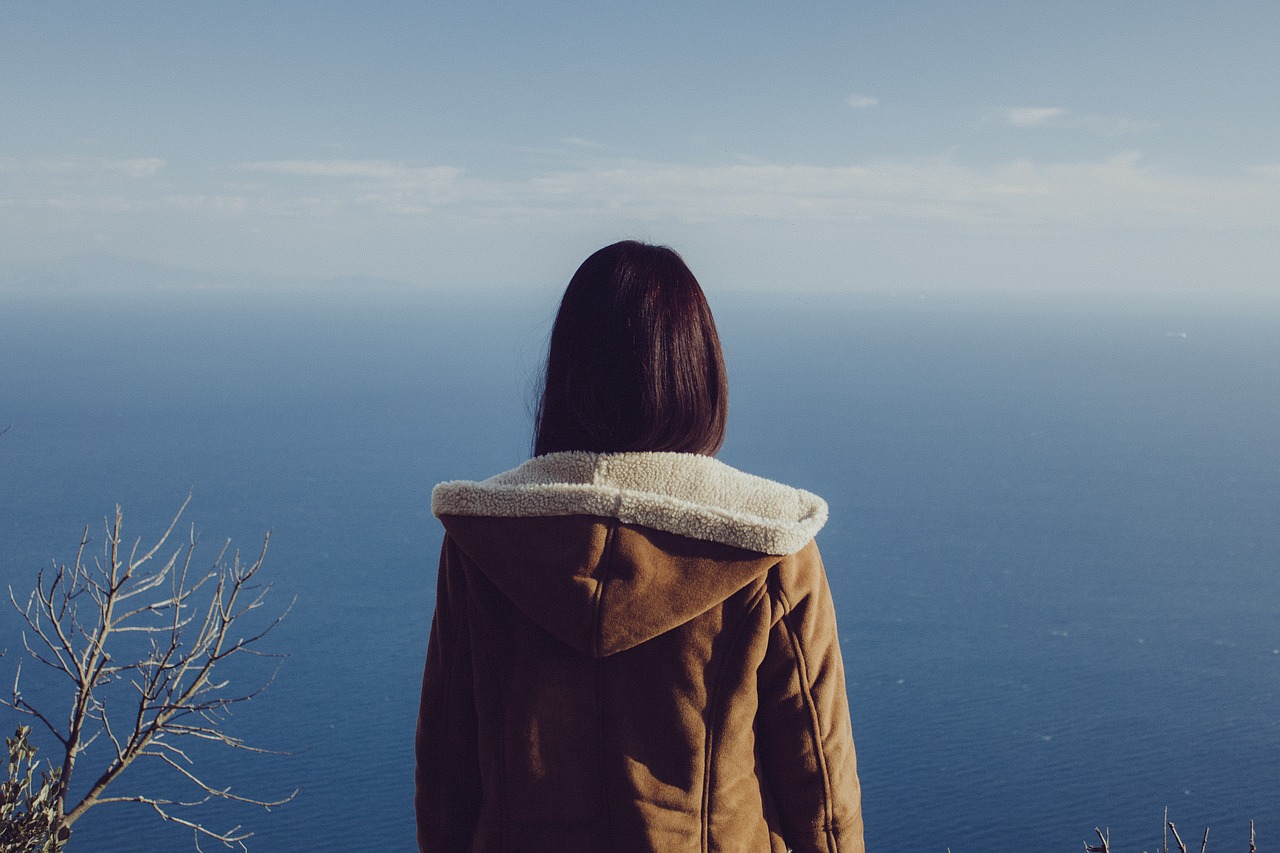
881, 147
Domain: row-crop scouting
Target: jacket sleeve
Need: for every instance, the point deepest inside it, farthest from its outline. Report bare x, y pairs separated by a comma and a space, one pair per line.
805, 736
447, 774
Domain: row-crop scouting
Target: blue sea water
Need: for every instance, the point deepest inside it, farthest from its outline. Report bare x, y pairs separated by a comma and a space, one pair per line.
1053, 539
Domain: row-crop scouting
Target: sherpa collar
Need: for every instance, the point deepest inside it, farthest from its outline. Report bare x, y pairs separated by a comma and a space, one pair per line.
682, 493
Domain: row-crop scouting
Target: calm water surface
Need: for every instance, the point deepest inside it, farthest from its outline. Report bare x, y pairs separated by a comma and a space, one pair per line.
1053, 540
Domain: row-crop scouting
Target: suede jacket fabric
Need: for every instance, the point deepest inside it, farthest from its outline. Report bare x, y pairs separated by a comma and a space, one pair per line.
633, 652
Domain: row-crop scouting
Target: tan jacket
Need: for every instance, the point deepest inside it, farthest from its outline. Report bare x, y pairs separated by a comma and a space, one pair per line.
633, 652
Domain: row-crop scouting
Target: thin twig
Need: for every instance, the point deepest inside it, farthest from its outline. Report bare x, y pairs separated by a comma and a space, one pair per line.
1104, 847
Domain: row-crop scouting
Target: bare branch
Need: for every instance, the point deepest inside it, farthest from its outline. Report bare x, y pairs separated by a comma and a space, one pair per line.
233, 837
224, 793
164, 537
184, 623
150, 801
17, 703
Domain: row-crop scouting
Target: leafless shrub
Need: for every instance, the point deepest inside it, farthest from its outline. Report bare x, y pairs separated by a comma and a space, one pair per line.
148, 644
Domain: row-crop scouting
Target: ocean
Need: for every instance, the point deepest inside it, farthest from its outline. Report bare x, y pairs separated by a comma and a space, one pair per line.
1053, 540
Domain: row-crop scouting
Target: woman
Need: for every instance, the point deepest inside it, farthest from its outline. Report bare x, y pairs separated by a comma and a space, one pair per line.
634, 646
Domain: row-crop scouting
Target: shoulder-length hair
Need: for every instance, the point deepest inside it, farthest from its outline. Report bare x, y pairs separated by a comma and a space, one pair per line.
634, 361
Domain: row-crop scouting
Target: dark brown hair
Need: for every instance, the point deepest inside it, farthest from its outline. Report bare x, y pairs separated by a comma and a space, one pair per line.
634, 361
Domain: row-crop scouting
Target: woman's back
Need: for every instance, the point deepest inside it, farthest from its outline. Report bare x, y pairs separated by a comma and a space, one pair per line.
634, 652
634, 646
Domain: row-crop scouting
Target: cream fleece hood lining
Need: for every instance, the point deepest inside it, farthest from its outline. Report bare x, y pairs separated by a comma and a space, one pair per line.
682, 493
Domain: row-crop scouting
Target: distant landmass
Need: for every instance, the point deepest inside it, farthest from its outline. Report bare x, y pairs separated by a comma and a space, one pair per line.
103, 271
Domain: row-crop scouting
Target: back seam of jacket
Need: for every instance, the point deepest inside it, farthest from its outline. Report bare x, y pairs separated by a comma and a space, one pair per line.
597, 597
802, 667
597, 603
713, 714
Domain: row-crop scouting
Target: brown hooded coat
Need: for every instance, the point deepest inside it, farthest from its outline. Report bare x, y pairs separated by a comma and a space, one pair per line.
633, 652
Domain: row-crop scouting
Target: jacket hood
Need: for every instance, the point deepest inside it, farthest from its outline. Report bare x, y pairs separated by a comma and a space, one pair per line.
607, 550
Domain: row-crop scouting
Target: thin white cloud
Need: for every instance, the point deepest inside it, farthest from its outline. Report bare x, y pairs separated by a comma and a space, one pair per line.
139, 167
1117, 191
860, 102
116, 204
1103, 125
374, 169
1076, 222
136, 167
388, 186
1032, 116
1115, 125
